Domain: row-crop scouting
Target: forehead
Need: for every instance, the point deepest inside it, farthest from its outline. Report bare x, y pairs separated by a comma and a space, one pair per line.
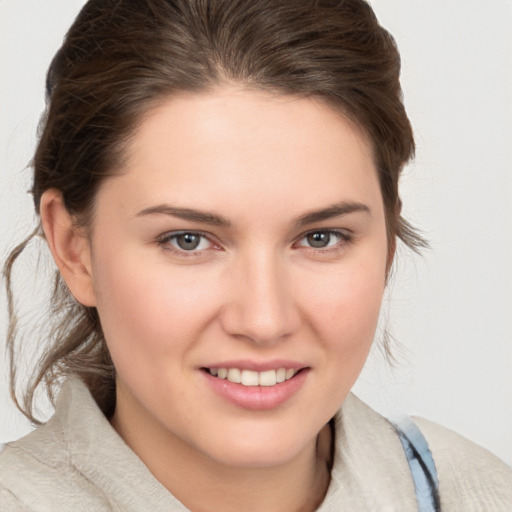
248, 147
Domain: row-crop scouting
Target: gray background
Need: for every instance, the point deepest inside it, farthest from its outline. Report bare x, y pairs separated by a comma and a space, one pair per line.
451, 310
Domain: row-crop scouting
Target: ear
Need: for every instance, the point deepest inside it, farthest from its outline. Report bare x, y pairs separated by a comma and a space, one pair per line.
69, 246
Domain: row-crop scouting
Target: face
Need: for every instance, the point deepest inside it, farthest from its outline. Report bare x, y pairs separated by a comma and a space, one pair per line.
238, 262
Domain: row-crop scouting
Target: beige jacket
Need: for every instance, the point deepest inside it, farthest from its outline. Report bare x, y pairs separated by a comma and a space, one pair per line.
77, 463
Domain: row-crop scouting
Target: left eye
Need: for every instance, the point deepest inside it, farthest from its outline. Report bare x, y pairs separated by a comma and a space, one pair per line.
189, 241
321, 239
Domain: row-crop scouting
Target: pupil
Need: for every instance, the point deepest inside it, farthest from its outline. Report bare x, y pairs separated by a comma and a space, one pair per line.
188, 241
319, 239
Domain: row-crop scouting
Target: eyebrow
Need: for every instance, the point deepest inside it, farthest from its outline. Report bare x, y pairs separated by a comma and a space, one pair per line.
335, 210
186, 214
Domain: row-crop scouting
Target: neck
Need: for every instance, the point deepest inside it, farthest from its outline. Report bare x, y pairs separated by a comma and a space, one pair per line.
203, 484
297, 486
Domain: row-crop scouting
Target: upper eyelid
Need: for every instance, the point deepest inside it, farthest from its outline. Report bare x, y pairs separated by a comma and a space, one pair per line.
171, 234
346, 237
337, 231
164, 242
346, 233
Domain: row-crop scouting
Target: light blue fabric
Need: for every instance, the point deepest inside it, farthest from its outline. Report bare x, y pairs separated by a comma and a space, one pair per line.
422, 465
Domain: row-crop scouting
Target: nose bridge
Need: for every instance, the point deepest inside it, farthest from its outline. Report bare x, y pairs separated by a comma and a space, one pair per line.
262, 307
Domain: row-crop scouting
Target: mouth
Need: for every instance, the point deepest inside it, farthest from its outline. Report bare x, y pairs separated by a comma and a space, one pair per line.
256, 386
252, 378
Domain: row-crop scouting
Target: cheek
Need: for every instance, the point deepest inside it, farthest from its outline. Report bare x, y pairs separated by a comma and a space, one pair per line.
350, 298
344, 311
149, 309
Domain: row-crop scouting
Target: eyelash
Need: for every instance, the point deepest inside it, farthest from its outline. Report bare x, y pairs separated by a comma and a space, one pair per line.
165, 241
344, 238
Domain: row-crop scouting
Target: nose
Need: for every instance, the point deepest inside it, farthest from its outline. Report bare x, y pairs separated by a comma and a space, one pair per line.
260, 306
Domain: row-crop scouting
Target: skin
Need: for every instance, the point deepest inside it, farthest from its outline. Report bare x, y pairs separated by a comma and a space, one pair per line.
253, 290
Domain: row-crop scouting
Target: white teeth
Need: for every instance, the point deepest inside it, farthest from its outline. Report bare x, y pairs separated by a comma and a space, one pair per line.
249, 378
235, 375
267, 378
289, 374
252, 378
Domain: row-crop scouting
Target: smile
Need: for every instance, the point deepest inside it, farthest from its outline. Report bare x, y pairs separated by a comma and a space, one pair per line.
253, 378
256, 386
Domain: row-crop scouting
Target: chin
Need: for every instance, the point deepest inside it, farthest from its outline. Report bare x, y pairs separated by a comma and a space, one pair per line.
257, 457
261, 447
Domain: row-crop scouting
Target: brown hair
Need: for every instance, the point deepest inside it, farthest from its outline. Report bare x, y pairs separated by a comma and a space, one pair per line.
121, 57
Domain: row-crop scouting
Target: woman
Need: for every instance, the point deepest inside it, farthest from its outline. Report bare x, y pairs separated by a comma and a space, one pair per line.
217, 182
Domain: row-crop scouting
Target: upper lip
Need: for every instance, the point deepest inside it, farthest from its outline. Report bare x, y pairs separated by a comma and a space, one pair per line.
257, 366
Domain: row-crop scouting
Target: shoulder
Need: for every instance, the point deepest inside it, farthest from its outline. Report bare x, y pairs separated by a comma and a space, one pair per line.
10, 503
370, 470
77, 462
37, 473
471, 478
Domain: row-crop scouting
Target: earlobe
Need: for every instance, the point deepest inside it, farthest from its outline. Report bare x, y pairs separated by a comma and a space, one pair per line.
69, 246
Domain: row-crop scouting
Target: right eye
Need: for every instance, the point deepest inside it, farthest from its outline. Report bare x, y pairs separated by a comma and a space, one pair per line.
186, 241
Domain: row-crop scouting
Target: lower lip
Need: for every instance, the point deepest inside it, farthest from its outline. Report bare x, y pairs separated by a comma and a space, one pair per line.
257, 397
